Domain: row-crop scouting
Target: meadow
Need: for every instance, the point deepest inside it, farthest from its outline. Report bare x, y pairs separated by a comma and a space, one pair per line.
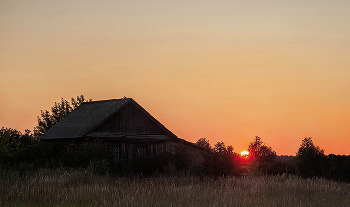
78, 188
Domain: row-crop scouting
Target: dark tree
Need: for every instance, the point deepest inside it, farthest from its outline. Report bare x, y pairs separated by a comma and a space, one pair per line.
220, 148
12, 142
311, 159
218, 160
9, 145
60, 110
338, 167
230, 149
221, 160
203, 142
260, 151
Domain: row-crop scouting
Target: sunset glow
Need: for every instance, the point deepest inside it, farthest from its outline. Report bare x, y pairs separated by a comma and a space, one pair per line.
224, 70
244, 153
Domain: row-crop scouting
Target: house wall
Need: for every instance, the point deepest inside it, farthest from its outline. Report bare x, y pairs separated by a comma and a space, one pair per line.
129, 150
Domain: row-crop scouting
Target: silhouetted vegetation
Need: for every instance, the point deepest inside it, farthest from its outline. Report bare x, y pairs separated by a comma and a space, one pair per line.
312, 162
264, 156
337, 168
12, 145
95, 157
23, 153
167, 163
311, 159
259, 151
60, 110
220, 160
203, 142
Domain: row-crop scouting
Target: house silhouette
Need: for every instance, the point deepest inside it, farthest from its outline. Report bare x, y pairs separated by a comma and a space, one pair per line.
123, 125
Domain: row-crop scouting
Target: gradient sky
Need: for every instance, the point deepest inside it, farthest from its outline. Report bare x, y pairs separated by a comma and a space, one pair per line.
224, 70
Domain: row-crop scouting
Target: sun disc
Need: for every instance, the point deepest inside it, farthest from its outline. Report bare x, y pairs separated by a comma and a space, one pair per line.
244, 153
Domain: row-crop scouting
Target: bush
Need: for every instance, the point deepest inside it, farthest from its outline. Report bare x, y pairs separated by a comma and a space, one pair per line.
338, 167
42, 155
164, 163
94, 156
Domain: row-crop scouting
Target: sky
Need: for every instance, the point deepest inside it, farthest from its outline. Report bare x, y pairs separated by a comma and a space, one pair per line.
224, 70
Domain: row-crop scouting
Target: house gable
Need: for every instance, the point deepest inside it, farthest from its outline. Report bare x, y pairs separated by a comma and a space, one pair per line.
131, 121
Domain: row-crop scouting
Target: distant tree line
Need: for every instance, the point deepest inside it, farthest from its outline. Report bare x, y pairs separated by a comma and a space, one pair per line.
24, 152
223, 160
310, 161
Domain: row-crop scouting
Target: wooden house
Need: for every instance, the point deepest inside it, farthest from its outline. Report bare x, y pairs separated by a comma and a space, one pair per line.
121, 124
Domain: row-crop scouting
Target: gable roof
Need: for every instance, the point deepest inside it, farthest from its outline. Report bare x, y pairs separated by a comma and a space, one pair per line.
89, 115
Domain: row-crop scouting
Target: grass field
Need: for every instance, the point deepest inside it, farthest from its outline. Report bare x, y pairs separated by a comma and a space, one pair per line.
51, 188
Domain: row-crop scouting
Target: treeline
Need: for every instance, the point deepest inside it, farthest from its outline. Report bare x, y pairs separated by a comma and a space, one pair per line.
222, 160
310, 161
23, 152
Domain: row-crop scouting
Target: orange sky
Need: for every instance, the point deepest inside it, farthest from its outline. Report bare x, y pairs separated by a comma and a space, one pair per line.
224, 70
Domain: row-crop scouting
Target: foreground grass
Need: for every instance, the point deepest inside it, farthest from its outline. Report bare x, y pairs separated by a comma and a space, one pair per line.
79, 189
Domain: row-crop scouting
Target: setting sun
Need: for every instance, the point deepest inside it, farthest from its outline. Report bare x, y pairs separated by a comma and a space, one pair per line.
244, 153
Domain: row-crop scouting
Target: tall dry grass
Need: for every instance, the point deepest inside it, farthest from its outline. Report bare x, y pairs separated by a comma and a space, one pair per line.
48, 188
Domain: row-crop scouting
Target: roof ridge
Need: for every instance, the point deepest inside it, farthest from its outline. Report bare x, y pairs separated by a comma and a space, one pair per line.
107, 100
